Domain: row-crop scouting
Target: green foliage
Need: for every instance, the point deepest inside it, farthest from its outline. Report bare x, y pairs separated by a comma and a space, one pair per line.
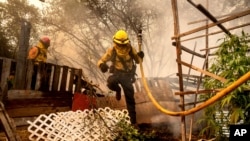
127, 132
211, 126
232, 62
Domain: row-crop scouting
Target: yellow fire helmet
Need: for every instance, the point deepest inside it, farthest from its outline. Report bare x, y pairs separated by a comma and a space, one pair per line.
121, 37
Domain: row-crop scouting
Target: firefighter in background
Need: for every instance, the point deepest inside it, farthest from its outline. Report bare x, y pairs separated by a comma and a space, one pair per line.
124, 58
38, 55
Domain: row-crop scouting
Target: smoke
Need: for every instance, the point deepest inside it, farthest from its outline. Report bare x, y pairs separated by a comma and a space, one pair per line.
160, 54
187, 14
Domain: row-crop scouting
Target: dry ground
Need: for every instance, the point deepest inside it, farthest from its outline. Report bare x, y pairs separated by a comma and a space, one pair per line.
162, 133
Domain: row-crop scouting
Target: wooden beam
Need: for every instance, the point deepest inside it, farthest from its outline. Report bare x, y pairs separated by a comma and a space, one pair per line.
6, 64
56, 78
21, 59
178, 53
192, 103
203, 71
9, 126
244, 13
189, 75
196, 92
32, 94
210, 16
35, 111
190, 51
217, 32
64, 78
218, 17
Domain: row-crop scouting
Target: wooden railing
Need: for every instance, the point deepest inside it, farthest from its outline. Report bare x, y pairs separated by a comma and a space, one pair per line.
6, 67
43, 77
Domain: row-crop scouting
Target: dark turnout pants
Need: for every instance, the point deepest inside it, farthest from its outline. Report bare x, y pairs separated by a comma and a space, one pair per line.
43, 72
124, 79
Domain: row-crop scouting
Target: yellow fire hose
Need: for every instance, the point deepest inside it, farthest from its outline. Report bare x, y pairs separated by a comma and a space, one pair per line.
210, 101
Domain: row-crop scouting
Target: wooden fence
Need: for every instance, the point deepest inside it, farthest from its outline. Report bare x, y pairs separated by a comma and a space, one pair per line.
44, 77
42, 89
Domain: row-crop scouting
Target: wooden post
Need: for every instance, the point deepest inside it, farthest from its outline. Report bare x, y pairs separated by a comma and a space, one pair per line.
64, 78
21, 69
30, 69
78, 85
178, 53
5, 72
71, 80
47, 78
8, 124
56, 78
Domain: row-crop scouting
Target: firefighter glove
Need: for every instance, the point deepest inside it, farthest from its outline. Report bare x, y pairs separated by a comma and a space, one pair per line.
104, 67
140, 54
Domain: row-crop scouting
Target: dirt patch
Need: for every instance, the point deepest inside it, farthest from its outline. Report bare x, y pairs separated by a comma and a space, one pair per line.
161, 132
164, 133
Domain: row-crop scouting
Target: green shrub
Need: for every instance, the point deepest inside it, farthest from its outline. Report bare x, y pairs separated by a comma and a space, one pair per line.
232, 62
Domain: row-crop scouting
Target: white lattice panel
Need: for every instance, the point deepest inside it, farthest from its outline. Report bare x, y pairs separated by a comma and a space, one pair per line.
87, 125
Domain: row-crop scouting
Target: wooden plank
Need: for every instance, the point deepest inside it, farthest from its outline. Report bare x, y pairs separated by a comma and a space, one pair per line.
56, 77
22, 121
21, 66
37, 71
192, 103
157, 81
178, 54
189, 75
71, 80
196, 92
32, 94
43, 79
29, 73
9, 126
5, 72
218, 17
35, 111
216, 32
78, 74
48, 77
1, 69
203, 71
212, 18
3, 93
45, 76
64, 78
190, 51
241, 14
38, 102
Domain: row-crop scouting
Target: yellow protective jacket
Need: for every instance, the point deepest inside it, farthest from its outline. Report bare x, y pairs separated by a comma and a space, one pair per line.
38, 53
128, 54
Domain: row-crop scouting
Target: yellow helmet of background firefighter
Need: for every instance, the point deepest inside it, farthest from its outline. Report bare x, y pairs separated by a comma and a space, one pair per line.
121, 37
